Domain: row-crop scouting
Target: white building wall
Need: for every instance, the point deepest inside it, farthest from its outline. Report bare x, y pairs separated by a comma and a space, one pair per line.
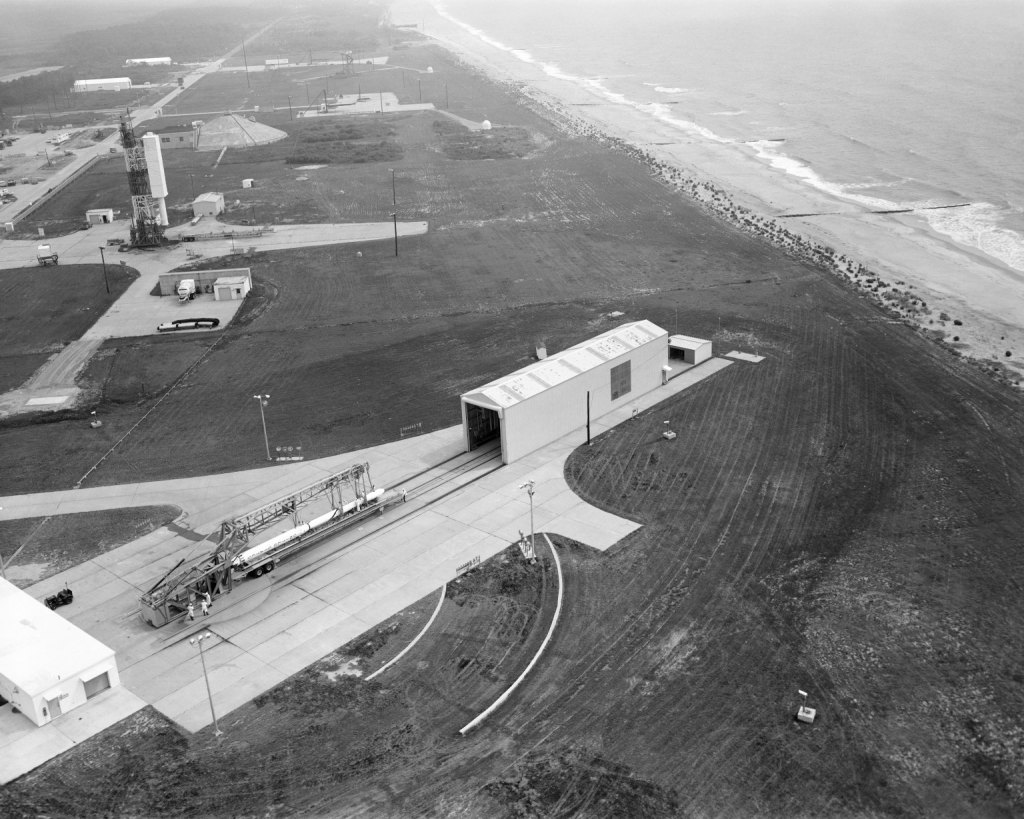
562, 409
70, 692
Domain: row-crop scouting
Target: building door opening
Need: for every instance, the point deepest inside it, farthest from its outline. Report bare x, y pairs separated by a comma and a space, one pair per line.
53, 706
96, 684
484, 425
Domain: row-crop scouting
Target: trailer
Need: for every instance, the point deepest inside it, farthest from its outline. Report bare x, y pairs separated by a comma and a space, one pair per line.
45, 256
240, 554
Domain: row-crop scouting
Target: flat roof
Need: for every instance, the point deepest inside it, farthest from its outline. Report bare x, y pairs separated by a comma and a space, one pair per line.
209, 196
106, 79
38, 647
686, 342
541, 375
231, 280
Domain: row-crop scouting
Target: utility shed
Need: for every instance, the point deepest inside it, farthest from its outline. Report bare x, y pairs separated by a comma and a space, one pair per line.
691, 350
206, 280
229, 288
99, 216
47, 665
548, 399
208, 204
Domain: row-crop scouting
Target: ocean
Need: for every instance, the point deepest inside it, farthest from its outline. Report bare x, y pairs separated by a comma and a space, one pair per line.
885, 104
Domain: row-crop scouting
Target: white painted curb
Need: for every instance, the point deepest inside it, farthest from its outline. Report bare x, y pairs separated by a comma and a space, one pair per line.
423, 631
547, 639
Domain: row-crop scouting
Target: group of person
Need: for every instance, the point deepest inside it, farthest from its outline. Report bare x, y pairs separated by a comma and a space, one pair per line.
205, 601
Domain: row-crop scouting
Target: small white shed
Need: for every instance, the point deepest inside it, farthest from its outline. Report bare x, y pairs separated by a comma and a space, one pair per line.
691, 350
208, 204
48, 665
247, 183
99, 216
231, 288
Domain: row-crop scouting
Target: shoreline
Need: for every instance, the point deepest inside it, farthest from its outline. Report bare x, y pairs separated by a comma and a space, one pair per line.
917, 275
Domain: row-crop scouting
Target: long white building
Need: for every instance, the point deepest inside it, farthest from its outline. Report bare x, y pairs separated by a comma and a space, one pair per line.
148, 61
552, 397
108, 84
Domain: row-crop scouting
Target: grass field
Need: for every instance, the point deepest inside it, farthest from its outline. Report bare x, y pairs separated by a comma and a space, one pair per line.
841, 518
51, 545
44, 308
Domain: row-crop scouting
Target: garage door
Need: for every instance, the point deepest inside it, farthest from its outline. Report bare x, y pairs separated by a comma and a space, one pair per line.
96, 684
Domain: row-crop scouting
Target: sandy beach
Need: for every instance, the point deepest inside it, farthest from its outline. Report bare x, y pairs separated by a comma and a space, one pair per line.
920, 275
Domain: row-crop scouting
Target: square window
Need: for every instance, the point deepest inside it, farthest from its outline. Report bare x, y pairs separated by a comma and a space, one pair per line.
621, 380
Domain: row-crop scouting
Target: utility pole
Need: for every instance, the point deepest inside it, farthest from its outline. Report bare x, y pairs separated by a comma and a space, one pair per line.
246, 62
103, 260
528, 486
262, 399
199, 642
289, 107
395, 217
394, 195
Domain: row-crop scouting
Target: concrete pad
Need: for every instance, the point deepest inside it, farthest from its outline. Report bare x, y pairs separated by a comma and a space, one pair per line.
753, 359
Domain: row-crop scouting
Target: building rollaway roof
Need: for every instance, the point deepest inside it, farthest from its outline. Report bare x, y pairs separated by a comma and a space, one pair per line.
536, 377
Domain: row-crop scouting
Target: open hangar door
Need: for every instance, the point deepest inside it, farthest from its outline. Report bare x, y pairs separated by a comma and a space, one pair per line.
483, 425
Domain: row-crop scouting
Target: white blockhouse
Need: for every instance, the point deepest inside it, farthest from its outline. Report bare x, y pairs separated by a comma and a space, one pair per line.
691, 350
47, 665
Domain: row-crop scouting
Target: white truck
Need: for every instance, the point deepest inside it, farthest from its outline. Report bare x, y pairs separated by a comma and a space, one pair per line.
186, 290
45, 255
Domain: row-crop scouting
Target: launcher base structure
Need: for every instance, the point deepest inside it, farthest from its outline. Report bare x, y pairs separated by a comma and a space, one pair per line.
147, 185
240, 554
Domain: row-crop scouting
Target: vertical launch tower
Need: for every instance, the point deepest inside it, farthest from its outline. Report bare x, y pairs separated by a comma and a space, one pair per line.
147, 184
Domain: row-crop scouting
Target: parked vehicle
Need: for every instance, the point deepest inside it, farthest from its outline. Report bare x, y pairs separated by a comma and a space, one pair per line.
61, 598
45, 255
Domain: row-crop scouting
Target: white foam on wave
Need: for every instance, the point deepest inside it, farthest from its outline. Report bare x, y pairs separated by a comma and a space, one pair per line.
979, 226
663, 90
764, 149
595, 84
726, 113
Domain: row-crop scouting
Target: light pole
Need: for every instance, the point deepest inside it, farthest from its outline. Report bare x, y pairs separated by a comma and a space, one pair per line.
394, 194
103, 260
192, 182
262, 399
395, 217
198, 641
289, 107
528, 486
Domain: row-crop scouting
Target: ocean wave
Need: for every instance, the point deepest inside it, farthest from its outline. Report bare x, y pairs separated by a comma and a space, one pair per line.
657, 110
792, 166
980, 226
726, 113
661, 89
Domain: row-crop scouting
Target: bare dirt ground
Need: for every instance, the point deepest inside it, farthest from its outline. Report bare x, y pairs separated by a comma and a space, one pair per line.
841, 518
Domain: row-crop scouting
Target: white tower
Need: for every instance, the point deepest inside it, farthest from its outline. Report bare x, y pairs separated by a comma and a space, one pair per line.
157, 179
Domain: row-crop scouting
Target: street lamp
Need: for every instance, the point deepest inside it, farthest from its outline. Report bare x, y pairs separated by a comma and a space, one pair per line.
103, 260
198, 641
262, 399
395, 217
528, 486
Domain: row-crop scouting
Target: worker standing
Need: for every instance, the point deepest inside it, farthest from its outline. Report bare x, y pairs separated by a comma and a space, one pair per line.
191, 611
205, 606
